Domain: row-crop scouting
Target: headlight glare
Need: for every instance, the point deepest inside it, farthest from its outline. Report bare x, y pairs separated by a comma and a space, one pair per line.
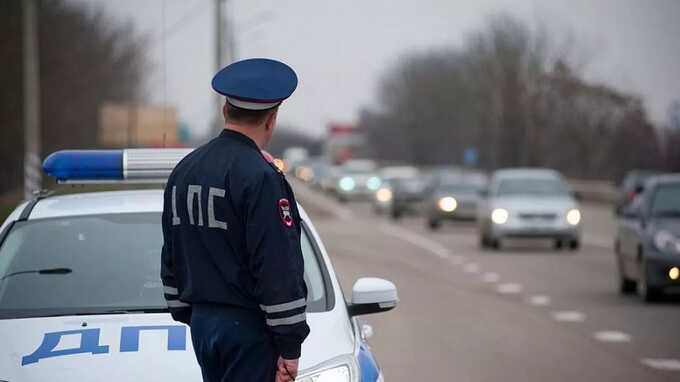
500, 216
665, 241
573, 216
384, 195
347, 183
336, 374
448, 204
373, 183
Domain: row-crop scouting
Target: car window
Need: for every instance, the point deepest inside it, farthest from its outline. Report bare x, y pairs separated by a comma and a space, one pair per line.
97, 264
666, 201
531, 186
460, 188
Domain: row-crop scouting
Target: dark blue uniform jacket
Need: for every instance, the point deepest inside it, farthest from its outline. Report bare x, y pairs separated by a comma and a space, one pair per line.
231, 231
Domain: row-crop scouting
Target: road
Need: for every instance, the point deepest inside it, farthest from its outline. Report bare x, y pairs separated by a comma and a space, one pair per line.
526, 313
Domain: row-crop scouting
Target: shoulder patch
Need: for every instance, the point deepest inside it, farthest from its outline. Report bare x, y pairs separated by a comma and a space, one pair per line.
285, 212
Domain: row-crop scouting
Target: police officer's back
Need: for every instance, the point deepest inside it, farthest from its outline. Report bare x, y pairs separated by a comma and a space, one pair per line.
232, 265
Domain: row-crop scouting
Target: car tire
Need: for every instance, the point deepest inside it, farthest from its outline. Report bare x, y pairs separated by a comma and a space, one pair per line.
574, 244
557, 244
395, 214
495, 244
627, 286
648, 293
434, 224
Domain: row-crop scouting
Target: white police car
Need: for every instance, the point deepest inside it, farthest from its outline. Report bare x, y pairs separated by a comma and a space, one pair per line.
81, 298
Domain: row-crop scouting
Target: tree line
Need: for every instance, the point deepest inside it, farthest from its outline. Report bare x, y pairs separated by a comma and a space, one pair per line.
513, 94
85, 60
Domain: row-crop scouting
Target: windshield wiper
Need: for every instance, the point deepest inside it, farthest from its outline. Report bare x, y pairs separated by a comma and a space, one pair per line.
46, 271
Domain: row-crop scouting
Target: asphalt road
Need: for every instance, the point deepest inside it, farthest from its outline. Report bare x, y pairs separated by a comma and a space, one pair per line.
526, 313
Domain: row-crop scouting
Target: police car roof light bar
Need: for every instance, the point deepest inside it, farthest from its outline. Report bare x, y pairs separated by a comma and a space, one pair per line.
113, 166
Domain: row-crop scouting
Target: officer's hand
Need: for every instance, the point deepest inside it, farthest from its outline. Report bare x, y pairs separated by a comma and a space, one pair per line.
287, 370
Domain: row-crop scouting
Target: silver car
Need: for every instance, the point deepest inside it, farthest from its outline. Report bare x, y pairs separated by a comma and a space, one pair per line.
529, 203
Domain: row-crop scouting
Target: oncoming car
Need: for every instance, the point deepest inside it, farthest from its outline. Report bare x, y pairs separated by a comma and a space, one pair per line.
648, 240
81, 296
529, 203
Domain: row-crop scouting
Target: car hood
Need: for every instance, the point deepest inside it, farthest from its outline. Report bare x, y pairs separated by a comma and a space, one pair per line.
534, 204
671, 225
130, 347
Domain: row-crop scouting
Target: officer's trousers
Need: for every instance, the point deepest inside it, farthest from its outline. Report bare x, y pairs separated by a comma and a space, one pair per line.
232, 345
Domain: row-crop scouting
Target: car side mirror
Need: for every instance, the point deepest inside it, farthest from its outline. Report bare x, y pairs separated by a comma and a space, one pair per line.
372, 295
577, 195
483, 193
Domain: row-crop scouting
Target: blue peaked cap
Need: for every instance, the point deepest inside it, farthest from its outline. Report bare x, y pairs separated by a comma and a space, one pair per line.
256, 83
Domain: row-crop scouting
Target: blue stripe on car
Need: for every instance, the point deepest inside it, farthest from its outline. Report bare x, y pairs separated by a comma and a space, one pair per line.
367, 366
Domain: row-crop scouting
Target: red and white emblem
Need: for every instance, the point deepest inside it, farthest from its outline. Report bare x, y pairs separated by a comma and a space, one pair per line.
286, 214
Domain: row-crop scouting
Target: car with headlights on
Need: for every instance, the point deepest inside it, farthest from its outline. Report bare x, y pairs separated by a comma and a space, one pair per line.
647, 242
81, 297
382, 202
453, 200
357, 180
529, 203
408, 195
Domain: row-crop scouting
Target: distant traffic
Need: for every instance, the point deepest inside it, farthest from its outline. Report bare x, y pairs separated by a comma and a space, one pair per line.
517, 203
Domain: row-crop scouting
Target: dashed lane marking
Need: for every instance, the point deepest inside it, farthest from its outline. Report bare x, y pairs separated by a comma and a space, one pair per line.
490, 277
509, 288
417, 240
666, 364
612, 336
569, 316
539, 300
471, 268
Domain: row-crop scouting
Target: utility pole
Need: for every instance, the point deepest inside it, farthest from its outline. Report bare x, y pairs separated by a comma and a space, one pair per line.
219, 58
32, 162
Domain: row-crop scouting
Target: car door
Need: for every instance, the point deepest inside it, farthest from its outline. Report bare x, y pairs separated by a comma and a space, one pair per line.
631, 231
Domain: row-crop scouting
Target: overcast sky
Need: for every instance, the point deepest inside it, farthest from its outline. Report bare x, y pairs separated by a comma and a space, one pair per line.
340, 49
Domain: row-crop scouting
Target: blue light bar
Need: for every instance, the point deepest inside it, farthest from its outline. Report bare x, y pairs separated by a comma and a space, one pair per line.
68, 165
113, 166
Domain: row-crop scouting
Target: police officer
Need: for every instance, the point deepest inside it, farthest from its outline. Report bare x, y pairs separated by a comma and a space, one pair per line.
232, 266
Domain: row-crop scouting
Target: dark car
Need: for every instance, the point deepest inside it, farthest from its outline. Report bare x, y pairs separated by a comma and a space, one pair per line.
452, 201
408, 195
648, 239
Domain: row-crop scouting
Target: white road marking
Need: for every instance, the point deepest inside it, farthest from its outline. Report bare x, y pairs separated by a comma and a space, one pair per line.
490, 277
612, 336
509, 288
417, 240
539, 300
569, 316
667, 364
471, 268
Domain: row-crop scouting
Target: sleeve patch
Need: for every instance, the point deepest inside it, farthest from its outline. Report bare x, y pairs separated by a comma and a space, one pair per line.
285, 212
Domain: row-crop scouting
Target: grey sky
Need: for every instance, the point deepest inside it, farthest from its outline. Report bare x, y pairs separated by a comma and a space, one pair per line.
340, 49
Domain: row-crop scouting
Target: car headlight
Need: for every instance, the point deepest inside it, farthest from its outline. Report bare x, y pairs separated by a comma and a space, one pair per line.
499, 216
573, 216
336, 374
347, 184
448, 204
665, 241
383, 195
373, 183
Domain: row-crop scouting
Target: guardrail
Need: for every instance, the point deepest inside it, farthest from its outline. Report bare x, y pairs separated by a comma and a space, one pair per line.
599, 191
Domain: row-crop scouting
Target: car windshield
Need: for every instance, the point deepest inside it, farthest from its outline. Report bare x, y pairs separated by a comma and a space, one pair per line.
532, 186
97, 264
666, 201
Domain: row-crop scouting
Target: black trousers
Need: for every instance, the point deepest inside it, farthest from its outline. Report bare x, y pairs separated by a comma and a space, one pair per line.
232, 345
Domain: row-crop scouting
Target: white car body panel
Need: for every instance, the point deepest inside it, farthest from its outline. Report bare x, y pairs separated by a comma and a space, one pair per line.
333, 333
